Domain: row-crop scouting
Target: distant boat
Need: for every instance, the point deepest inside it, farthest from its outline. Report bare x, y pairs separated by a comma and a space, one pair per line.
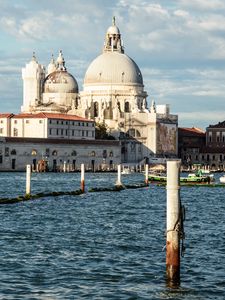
192, 179
222, 179
127, 170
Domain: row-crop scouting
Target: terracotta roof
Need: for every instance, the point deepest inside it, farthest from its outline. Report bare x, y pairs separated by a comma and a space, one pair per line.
51, 116
61, 141
218, 125
194, 131
6, 115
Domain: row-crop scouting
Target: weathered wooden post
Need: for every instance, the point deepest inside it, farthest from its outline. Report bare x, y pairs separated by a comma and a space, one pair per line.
82, 182
146, 174
173, 223
119, 175
28, 179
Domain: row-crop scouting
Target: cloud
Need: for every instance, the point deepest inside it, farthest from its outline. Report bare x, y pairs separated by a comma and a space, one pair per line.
203, 4
178, 45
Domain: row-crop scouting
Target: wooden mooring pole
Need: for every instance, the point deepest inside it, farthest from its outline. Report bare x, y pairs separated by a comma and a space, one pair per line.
119, 183
146, 174
82, 182
173, 223
28, 179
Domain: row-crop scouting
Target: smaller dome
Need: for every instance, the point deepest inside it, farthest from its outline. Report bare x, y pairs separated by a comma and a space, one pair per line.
113, 30
60, 82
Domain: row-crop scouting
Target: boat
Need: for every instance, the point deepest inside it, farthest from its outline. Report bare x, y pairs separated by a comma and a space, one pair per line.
202, 173
192, 179
222, 179
127, 170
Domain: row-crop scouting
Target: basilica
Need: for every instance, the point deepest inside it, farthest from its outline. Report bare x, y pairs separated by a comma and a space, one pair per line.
113, 93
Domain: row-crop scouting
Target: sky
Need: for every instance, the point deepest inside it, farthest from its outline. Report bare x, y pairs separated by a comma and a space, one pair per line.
179, 45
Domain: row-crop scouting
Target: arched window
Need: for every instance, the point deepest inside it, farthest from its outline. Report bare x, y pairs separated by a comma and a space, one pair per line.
34, 152
138, 133
93, 153
74, 153
96, 109
111, 154
127, 107
13, 152
131, 132
54, 153
104, 153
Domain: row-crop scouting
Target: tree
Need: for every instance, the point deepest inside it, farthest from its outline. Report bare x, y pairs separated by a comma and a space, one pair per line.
101, 132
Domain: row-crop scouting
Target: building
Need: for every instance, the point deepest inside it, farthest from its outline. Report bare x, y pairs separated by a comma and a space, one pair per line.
204, 148
113, 93
191, 142
58, 154
46, 125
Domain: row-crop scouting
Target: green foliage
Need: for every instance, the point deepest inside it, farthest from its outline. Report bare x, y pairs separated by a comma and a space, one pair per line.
101, 132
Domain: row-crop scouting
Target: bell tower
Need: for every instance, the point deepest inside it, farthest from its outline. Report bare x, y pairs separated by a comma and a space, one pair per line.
33, 76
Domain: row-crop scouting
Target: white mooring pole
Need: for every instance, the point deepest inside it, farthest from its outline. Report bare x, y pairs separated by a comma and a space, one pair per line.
82, 182
119, 175
146, 174
28, 179
173, 222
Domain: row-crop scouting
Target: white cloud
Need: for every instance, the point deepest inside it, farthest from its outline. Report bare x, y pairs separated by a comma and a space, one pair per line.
203, 4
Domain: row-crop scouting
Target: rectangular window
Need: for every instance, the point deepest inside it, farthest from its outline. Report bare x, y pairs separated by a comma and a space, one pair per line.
66, 132
15, 121
1, 130
15, 132
47, 151
61, 131
27, 121
86, 124
72, 132
0, 159
82, 132
203, 157
50, 121
78, 123
1, 121
57, 132
86, 132
72, 123
6, 151
40, 121
93, 134
50, 131
66, 123
62, 122
57, 122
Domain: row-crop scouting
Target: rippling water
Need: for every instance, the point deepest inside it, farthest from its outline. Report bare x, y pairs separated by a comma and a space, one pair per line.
106, 245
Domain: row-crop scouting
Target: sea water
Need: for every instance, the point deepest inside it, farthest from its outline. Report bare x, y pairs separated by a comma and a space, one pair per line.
108, 245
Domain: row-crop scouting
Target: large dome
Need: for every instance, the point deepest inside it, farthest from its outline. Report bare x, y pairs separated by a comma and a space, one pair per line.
113, 68
60, 82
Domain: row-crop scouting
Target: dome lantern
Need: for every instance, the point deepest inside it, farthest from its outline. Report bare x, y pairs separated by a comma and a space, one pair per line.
113, 40
61, 62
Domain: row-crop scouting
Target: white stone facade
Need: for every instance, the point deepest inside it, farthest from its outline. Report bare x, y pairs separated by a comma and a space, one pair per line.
16, 153
113, 93
47, 125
